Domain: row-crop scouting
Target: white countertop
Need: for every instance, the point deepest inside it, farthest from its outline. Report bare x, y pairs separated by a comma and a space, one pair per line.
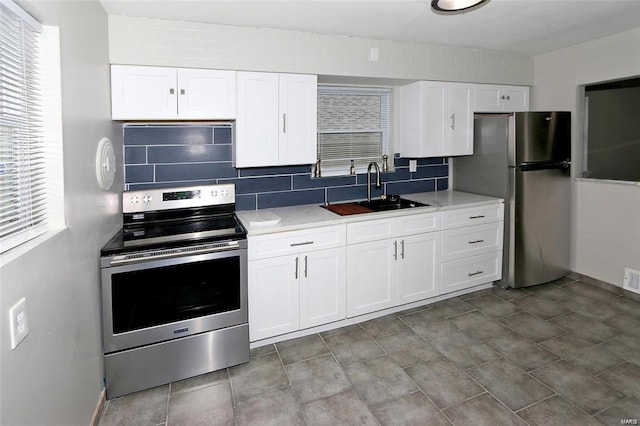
281, 219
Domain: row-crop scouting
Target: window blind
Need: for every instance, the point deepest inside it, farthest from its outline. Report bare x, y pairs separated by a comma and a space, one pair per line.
23, 189
353, 124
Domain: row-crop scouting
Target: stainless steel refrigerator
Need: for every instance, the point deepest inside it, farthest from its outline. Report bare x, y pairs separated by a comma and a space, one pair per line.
524, 157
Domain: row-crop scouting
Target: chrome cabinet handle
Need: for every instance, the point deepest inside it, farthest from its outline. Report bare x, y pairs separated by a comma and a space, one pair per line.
402, 249
301, 244
296, 267
476, 241
476, 217
305, 266
395, 250
453, 122
182, 91
172, 91
471, 274
284, 123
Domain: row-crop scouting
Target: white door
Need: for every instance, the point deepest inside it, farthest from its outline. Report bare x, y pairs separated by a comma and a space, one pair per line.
141, 93
460, 119
371, 276
206, 94
419, 268
257, 121
273, 296
323, 287
298, 120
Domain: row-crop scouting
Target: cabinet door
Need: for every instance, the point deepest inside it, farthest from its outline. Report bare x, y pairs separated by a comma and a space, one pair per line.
419, 267
516, 99
274, 306
460, 120
487, 98
371, 276
206, 94
257, 120
298, 121
323, 287
141, 93
435, 119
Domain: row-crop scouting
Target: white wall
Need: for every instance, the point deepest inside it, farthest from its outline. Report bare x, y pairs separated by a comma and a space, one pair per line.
606, 216
145, 41
54, 376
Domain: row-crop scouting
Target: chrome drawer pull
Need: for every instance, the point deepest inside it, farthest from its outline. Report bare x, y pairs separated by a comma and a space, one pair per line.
301, 244
476, 241
395, 250
471, 274
476, 217
296, 275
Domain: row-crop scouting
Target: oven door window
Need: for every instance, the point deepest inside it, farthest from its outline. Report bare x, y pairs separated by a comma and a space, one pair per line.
157, 296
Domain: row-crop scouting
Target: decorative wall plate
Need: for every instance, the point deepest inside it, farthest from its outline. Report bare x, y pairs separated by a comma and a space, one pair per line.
105, 164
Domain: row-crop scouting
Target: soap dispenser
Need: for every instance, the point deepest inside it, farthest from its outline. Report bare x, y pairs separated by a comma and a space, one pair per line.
317, 172
352, 169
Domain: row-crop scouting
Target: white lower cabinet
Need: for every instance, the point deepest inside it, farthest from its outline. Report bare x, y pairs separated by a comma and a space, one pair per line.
371, 276
471, 271
304, 279
288, 293
471, 246
297, 280
388, 272
419, 271
323, 287
274, 297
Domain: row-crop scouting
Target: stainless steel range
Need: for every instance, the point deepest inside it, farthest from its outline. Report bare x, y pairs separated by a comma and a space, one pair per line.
174, 288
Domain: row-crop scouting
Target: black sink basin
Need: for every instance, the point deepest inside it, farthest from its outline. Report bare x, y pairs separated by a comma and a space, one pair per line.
392, 202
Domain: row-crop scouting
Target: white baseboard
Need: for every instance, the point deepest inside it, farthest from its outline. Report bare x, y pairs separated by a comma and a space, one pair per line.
99, 407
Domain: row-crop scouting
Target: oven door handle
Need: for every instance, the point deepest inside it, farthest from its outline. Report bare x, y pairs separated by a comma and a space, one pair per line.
172, 253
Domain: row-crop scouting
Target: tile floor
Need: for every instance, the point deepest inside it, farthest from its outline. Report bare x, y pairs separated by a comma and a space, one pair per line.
563, 353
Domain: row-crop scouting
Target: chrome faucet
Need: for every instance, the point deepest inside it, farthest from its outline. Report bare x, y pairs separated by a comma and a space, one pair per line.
378, 184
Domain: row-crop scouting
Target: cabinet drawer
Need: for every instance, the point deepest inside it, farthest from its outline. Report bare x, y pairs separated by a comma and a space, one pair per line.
284, 243
471, 271
370, 230
418, 223
472, 216
468, 241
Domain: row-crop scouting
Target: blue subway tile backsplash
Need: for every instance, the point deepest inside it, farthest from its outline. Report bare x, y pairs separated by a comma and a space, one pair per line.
174, 155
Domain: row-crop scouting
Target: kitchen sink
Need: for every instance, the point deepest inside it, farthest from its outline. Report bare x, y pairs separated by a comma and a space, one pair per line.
392, 202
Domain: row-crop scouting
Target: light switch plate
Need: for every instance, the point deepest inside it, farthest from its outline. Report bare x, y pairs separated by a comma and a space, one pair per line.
18, 322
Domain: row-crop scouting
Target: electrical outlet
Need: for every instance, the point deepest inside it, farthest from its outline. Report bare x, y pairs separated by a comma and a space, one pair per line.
413, 165
18, 322
631, 280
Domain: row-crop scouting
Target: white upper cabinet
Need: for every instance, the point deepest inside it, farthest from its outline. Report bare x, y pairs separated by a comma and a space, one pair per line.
436, 119
495, 98
277, 119
161, 93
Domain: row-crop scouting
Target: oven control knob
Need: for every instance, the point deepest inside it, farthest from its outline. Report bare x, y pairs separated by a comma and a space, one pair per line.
135, 199
146, 198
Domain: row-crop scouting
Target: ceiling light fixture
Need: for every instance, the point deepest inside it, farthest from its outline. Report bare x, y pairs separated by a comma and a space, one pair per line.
450, 6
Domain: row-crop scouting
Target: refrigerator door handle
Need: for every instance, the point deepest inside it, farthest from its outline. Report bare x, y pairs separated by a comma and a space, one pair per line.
542, 166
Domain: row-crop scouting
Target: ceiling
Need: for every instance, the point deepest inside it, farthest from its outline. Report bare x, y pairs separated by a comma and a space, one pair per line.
527, 27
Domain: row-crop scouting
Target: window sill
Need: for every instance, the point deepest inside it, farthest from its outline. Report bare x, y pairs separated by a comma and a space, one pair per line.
26, 247
608, 181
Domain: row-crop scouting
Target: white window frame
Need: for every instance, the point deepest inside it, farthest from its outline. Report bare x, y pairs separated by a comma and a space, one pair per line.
40, 171
386, 94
